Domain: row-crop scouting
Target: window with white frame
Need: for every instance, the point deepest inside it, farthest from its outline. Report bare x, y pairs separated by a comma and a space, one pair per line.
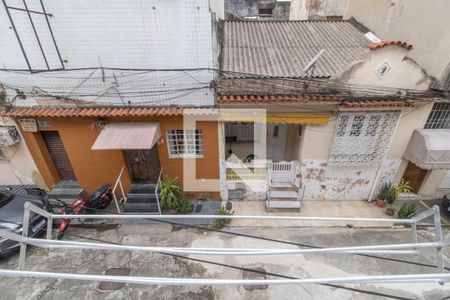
185, 142
362, 138
439, 117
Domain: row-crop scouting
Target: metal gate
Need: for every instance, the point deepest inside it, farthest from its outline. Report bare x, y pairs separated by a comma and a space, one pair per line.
58, 155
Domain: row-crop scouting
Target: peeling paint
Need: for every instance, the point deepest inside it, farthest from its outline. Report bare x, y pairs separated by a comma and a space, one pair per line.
325, 182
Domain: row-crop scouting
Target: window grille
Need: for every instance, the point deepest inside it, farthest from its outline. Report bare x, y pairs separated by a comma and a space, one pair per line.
439, 117
362, 138
185, 142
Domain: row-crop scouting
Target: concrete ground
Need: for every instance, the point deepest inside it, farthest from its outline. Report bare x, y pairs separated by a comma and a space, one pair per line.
159, 265
361, 209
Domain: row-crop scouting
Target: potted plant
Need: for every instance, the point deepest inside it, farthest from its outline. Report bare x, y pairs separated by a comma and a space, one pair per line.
171, 195
384, 194
402, 187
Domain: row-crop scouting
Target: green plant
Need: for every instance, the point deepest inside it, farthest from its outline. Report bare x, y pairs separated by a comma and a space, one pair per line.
171, 195
185, 208
407, 210
220, 223
402, 187
387, 192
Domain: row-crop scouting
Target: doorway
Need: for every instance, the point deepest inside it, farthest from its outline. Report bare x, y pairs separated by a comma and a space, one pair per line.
143, 165
415, 176
58, 155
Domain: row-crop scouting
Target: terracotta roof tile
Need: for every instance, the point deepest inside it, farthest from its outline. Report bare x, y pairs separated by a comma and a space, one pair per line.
94, 112
377, 104
389, 42
230, 99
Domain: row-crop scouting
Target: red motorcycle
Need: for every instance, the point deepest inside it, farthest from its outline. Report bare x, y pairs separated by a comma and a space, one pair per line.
100, 199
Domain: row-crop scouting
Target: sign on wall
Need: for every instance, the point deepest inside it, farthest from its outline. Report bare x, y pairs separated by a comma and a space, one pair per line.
28, 125
384, 69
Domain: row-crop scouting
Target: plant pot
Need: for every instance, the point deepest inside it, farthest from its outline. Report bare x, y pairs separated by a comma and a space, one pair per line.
380, 203
390, 212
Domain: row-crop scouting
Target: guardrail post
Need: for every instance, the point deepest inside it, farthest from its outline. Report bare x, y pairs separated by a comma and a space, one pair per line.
25, 229
122, 191
438, 238
49, 227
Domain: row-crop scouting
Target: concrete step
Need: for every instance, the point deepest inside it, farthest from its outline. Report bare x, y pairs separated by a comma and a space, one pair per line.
66, 190
139, 188
277, 204
282, 185
284, 194
408, 197
141, 198
141, 208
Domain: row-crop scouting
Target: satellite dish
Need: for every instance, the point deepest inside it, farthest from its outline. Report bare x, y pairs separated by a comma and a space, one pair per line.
313, 61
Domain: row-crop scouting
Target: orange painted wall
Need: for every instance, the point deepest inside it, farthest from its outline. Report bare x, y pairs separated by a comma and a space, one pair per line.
96, 167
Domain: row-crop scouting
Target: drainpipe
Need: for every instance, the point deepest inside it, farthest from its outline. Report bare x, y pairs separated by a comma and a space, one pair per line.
375, 180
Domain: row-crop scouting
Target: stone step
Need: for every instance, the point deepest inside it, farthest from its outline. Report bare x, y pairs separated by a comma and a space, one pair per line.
283, 194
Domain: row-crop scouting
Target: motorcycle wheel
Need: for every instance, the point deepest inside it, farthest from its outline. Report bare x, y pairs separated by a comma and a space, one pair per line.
60, 236
106, 202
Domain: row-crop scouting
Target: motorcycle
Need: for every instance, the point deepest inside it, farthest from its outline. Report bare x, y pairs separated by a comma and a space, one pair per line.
100, 199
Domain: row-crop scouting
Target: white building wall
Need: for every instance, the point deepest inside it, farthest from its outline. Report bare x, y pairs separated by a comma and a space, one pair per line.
134, 34
18, 166
316, 9
424, 24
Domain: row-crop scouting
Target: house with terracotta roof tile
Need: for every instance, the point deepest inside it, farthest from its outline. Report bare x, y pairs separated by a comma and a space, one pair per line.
98, 90
342, 107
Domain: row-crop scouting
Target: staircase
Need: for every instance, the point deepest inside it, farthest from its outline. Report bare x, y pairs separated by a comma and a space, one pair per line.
142, 199
283, 193
66, 190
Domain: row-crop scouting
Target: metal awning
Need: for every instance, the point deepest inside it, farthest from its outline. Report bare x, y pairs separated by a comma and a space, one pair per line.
429, 149
123, 135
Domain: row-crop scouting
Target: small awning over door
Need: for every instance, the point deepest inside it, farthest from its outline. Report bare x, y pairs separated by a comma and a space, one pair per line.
123, 135
429, 149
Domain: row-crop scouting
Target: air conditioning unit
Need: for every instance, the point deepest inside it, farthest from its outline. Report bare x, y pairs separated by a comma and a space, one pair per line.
9, 135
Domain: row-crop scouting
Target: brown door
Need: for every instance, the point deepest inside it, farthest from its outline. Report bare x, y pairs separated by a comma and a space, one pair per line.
415, 176
58, 154
143, 165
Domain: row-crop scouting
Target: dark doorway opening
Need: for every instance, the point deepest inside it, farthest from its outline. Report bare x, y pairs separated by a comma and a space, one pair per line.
415, 176
58, 155
143, 165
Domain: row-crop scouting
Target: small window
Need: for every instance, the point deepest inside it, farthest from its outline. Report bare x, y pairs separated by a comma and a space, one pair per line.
185, 142
439, 117
265, 12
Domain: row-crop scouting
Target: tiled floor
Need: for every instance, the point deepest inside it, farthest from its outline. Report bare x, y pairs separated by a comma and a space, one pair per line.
357, 209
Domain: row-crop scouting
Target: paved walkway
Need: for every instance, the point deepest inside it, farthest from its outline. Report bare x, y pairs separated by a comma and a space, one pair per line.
356, 209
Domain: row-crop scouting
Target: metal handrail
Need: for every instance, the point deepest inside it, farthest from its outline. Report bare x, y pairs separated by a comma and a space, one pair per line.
158, 183
411, 248
119, 184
